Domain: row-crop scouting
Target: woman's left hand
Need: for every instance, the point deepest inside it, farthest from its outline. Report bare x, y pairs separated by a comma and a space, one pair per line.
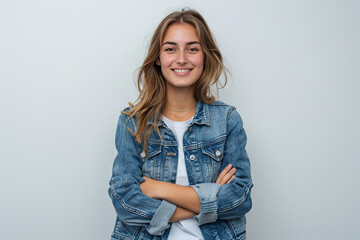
226, 175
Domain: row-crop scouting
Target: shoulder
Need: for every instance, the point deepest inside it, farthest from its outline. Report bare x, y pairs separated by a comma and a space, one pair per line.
126, 121
225, 110
123, 113
222, 107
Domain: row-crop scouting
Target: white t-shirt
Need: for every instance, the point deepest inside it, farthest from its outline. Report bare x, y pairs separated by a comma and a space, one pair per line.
189, 228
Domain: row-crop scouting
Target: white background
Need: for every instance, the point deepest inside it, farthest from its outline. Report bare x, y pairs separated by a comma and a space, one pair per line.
67, 68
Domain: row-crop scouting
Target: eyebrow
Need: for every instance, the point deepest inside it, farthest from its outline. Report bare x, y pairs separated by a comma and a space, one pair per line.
188, 43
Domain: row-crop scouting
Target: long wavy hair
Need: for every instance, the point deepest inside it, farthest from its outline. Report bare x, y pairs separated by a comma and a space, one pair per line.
151, 83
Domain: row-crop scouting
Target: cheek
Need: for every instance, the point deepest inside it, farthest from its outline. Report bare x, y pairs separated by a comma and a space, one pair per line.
165, 61
198, 61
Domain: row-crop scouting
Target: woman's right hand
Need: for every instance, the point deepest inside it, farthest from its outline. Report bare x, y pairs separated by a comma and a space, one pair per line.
226, 175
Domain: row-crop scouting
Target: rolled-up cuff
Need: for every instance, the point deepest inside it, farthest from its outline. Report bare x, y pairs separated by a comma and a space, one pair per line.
160, 221
207, 193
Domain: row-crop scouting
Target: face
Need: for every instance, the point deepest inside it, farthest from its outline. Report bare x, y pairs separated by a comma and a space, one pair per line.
181, 57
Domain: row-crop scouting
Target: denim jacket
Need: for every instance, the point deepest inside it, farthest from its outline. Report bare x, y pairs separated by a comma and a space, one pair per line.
214, 139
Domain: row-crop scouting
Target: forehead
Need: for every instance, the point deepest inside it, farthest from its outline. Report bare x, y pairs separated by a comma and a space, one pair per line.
180, 32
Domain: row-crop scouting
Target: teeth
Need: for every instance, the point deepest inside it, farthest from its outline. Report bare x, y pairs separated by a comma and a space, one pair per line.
181, 70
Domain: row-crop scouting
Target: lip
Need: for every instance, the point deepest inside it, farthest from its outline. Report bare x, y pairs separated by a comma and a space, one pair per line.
182, 71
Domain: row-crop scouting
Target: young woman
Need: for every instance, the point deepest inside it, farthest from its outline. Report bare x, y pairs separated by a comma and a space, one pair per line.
182, 171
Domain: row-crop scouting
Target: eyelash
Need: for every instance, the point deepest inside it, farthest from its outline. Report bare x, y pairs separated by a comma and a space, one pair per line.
190, 49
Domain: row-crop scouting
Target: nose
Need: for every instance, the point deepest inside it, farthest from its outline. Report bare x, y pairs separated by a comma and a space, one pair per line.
181, 58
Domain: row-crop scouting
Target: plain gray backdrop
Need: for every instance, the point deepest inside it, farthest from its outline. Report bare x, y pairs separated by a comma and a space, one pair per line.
67, 69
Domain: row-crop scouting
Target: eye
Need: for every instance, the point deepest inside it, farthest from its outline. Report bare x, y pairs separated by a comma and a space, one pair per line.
193, 49
169, 49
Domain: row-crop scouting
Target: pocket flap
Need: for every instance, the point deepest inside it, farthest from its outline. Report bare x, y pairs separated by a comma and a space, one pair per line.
215, 151
153, 150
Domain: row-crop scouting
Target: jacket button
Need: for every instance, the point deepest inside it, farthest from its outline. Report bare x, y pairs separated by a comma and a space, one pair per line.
143, 154
192, 157
191, 129
218, 153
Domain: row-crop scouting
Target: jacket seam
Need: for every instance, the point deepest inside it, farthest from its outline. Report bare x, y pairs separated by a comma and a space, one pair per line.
122, 235
218, 103
190, 146
239, 201
230, 111
128, 207
205, 144
232, 228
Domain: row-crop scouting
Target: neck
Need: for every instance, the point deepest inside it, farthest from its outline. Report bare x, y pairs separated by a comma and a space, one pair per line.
180, 104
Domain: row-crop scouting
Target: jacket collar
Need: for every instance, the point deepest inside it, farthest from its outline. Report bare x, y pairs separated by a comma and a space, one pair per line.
201, 117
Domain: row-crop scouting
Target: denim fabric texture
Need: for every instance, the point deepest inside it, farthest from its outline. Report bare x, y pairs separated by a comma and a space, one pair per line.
214, 139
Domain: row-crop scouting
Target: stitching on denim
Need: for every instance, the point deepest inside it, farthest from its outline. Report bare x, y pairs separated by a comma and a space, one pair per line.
152, 154
196, 146
243, 237
212, 141
231, 226
230, 111
118, 234
127, 207
243, 234
239, 201
208, 207
162, 142
207, 116
218, 103
210, 152
187, 147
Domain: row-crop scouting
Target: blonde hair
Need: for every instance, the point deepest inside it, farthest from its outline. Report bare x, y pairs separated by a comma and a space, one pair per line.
151, 83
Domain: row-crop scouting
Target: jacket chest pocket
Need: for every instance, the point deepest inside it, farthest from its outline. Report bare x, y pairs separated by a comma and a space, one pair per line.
214, 154
151, 161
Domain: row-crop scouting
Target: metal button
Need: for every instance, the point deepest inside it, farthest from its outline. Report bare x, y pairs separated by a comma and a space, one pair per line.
191, 129
192, 157
218, 153
143, 154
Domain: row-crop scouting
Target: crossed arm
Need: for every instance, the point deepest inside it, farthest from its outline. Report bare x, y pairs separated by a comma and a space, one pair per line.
184, 197
140, 201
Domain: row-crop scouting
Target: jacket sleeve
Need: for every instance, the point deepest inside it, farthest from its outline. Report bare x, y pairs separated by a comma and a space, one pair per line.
230, 200
131, 205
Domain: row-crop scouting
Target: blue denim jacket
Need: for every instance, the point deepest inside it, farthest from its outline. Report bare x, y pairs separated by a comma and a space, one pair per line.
214, 139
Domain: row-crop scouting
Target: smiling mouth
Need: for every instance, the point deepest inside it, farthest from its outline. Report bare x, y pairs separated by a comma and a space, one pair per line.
181, 70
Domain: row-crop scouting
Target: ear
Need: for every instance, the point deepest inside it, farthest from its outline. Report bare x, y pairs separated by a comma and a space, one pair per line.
157, 62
